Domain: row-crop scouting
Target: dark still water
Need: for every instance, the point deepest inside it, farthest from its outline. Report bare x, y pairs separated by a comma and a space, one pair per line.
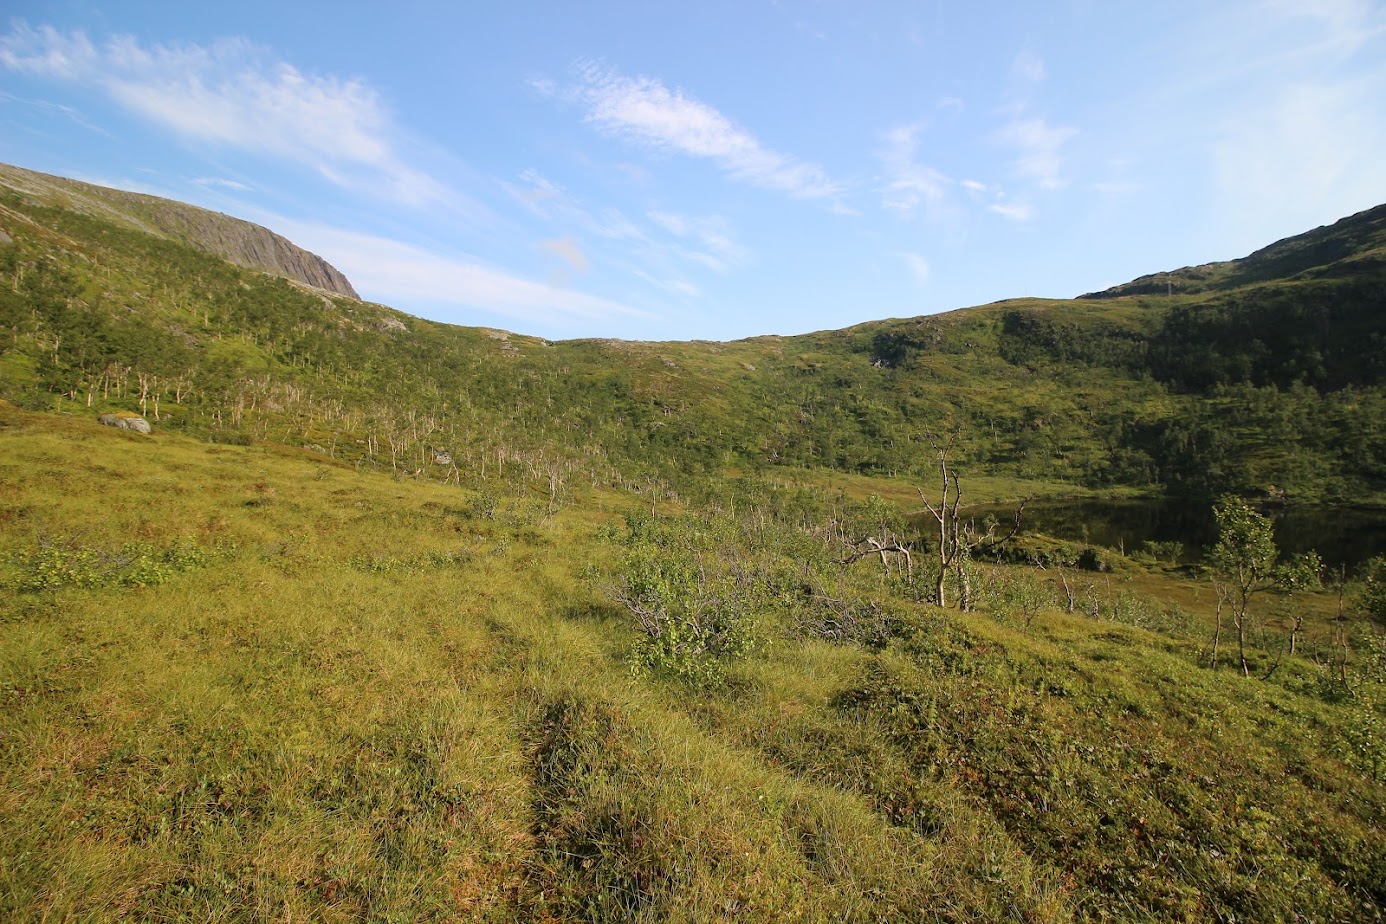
1340, 535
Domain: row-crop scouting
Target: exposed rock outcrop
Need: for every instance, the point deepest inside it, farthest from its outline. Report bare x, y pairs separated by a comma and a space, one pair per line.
248, 245
121, 422
241, 242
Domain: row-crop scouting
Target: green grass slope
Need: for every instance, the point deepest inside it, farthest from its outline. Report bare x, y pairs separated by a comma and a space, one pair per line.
250, 683
1355, 245
232, 239
1274, 387
391, 620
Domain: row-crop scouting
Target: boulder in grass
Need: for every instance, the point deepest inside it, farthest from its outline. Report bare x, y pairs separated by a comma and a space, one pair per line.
123, 422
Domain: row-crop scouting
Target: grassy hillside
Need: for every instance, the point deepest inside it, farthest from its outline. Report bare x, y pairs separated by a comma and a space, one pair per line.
247, 682
390, 620
241, 242
1349, 247
1274, 387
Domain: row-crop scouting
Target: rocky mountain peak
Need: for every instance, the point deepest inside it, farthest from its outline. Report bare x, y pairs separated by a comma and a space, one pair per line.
241, 242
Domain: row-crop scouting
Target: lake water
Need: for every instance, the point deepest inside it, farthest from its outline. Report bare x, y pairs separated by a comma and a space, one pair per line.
1340, 535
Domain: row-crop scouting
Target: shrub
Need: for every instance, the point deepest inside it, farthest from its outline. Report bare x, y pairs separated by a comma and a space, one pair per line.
847, 619
693, 611
1017, 594
53, 565
1166, 552
1371, 595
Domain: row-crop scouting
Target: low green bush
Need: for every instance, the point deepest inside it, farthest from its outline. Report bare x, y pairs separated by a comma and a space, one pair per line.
694, 611
1372, 592
53, 565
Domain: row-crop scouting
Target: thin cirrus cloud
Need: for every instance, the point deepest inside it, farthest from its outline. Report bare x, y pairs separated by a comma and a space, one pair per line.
715, 248
1037, 144
1347, 24
236, 94
222, 183
654, 253
1029, 67
570, 252
1015, 211
645, 111
909, 184
917, 265
67, 112
407, 271
551, 202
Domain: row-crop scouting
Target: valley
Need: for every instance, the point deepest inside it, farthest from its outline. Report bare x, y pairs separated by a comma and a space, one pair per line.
393, 620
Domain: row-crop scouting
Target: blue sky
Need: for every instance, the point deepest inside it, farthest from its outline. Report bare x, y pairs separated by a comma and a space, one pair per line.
720, 169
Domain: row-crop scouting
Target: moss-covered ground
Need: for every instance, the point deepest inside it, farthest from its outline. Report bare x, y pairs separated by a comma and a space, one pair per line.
244, 683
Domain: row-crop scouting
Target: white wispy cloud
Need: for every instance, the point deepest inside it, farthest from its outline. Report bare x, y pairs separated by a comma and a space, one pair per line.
674, 285
909, 184
716, 249
235, 93
570, 252
222, 182
1308, 155
1037, 145
44, 105
48, 53
549, 201
399, 272
1028, 67
917, 265
1346, 24
995, 200
657, 251
1015, 211
645, 111
535, 192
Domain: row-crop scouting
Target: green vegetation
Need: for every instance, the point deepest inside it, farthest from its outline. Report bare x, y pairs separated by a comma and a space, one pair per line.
1272, 389
357, 697
1244, 563
690, 621
389, 620
1373, 590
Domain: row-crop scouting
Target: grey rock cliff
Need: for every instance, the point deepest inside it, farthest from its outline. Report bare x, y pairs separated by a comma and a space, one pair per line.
241, 242
250, 245
138, 424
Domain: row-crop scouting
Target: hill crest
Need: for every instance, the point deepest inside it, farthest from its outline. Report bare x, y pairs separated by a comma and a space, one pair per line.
241, 242
1349, 246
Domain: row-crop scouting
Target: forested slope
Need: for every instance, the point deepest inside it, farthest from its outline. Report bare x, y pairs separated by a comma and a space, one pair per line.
391, 620
1253, 384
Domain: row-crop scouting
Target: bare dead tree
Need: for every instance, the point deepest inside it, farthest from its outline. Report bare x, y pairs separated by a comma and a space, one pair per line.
1222, 593
553, 470
989, 542
1296, 626
946, 513
146, 382
1068, 588
958, 539
887, 546
1342, 653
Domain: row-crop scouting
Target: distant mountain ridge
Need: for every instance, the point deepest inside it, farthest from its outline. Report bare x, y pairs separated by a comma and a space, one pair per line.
1349, 246
241, 242
1260, 376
